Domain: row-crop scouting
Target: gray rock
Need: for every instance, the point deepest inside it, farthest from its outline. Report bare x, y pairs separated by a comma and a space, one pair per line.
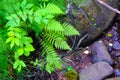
116, 78
116, 45
97, 71
100, 53
91, 18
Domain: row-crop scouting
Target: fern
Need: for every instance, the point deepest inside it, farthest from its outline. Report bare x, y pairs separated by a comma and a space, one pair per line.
53, 9
53, 35
52, 58
24, 16
51, 24
69, 30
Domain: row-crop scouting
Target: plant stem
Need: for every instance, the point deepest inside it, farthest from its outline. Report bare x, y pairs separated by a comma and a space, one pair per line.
108, 6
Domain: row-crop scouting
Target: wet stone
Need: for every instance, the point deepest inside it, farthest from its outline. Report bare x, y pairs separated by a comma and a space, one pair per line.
81, 18
96, 71
116, 45
100, 53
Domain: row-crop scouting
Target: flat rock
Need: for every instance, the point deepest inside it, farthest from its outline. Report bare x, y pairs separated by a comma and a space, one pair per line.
91, 18
100, 53
96, 71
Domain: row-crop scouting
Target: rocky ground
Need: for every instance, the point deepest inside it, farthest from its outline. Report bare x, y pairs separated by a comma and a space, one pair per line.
100, 60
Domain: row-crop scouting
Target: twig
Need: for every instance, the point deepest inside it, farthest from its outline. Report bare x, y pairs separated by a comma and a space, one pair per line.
108, 6
76, 48
81, 41
69, 60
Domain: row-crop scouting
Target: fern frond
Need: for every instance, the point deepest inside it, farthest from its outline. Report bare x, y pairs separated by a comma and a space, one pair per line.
57, 40
47, 47
54, 26
62, 44
53, 9
52, 58
53, 61
69, 30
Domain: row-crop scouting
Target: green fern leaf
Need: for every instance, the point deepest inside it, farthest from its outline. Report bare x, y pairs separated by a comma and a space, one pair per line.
54, 26
53, 9
61, 44
57, 40
69, 30
52, 58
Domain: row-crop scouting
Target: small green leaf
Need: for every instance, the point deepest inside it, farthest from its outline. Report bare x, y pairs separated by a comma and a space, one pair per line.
23, 4
49, 69
30, 16
54, 26
16, 55
69, 68
16, 18
19, 68
22, 64
109, 35
12, 44
9, 39
11, 33
29, 39
37, 19
29, 47
19, 13
54, 9
10, 29
23, 15
17, 41
26, 53
16, 64
18, 35
20, 51
9, 18
17, 30
29, 6
11, 23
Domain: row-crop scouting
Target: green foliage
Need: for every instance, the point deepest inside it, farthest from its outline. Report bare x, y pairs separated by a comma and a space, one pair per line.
39, 17
4, 55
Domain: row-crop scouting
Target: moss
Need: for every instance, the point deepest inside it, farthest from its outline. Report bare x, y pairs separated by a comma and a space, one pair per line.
71, 75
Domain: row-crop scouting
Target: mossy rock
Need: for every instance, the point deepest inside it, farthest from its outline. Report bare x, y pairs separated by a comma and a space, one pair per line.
92, 18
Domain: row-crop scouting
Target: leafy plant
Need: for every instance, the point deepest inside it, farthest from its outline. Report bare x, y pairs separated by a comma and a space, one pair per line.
39, 17
4, 55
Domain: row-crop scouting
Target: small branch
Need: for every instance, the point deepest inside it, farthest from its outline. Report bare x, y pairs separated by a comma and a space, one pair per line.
81, 41
106, 5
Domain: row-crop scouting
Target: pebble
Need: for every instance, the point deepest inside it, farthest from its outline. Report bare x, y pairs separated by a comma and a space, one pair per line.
117, 72
86, 52
116, 45
110, 44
